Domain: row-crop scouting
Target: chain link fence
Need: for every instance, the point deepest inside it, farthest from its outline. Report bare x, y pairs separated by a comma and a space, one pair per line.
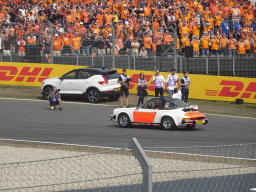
209, 168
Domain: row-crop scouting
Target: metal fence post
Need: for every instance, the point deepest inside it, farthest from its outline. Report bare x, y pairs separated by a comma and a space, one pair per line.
207, 65
128, 66
134, 62
92, 60
234, 70
181, 64
218, 64
51, 41
77, 61
10, 56
1, 57
102, 60
145, 164
113, 46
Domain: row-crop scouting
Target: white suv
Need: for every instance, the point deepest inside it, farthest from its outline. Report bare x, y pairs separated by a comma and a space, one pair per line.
93, 83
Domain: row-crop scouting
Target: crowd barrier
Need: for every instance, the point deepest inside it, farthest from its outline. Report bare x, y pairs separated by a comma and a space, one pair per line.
207, 87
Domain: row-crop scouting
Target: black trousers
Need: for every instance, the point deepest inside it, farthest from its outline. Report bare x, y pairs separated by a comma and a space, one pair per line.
159, 90
184, 95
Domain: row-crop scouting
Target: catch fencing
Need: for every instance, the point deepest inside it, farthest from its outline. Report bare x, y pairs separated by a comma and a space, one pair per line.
210, 168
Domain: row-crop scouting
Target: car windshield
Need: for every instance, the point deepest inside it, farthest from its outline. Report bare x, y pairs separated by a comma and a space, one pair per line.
168, 104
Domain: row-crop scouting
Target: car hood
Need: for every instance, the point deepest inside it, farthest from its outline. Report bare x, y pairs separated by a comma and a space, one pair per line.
55, 79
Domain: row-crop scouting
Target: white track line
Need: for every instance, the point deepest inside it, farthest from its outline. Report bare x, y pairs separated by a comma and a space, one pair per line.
78, 103
52, 143
113, 148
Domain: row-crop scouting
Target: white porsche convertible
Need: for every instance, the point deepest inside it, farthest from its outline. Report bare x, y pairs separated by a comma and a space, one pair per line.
168, 113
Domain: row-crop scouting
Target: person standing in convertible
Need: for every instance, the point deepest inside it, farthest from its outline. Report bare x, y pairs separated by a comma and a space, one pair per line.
55, 99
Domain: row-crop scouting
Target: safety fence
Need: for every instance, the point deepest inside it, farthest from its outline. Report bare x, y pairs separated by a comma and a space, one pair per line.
224, 66
210, 168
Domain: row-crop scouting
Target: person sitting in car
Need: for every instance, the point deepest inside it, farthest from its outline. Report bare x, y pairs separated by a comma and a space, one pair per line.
55, 99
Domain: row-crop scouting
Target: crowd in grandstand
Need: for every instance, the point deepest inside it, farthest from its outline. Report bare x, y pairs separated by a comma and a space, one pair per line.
212, 27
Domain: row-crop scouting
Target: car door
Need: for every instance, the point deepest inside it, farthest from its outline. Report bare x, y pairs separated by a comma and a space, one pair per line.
67, 84
83, 81
146, 113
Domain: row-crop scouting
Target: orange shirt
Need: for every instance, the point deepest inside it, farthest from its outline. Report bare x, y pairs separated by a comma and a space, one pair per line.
215, 44
184, 30
205, 42
218, 20
57, 44
147, 11
76, 42
147, 42
195, 44
100, 18
167, 39
109, 18
124, 14
66, 40
178, 43
223, 43
241, 48
32, 40
185, 41
232, 43
247, 43
196, 30
200, 8
22, 44
155, 25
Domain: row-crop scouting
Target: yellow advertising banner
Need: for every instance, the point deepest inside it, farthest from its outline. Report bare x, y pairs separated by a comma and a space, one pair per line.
205, 87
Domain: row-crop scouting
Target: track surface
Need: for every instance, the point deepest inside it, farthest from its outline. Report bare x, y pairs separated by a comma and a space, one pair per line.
88, 124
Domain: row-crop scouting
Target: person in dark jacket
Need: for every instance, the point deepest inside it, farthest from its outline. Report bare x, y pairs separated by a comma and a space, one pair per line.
101, 46
142, 86
85, 44
55, 99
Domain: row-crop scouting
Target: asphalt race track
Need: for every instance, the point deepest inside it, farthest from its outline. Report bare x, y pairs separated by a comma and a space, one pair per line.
88, 124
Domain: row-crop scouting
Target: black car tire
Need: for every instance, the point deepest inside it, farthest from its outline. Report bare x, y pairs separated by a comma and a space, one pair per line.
114, 97
93, 96
168, 123
47, 92
123, 120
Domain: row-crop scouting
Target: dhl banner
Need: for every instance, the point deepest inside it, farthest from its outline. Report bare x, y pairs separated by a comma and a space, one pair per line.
205, 87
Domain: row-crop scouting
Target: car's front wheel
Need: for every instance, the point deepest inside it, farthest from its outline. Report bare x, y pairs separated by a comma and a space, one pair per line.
168, 123
93, 96
47, 92
124, 120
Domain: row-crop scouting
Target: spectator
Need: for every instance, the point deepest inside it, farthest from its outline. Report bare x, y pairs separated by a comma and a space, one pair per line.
237, 28
231, 46
135, 47
171, 82
57, 46
241, 47
195, 43
185, 42
215, 45
108, 44
124, 81
147, 42
235, 13
185, 82
143, 52
142, 86
66, 43
224, 45
21, 43
75, 44
7, 46
224, 26
159, 83
101, 46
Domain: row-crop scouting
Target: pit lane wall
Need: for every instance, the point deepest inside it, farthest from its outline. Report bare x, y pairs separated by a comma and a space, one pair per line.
205, 87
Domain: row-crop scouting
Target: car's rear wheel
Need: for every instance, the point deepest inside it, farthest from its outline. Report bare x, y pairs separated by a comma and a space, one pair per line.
124, 120
93, 96
114, 97
47, 92
168, 123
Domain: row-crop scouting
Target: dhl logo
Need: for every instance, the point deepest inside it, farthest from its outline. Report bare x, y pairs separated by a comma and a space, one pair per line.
8, 73
234, 89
